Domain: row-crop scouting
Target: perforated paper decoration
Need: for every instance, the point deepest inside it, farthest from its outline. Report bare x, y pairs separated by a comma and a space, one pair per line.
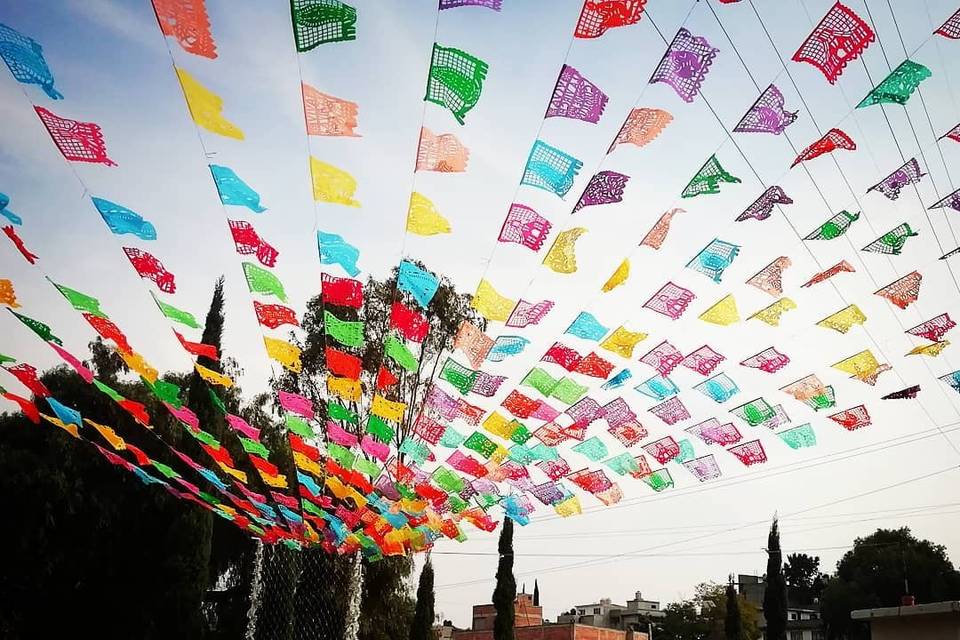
618, 277
455, 80
778, 419
586, 326
933, 329
342, 292
952, 379
331, 184
17, 241
663, 450
623, 341
7, 295
540, 380
617, 412
233, 190
486, 385
799, 437
576, 98
755, 412
641, 127
664, 358
24, 57
892, 242
950, 254
713, 259
671, 411
897, 87
770, 278
749, 453
840, 267
594, 366
658, 480
122, 220
952, 201
328, 115
724, 312
853, 418
903, 394
249, 243
346, 332
722, 434
317, 22
443, 153
42, 330
335, 250
527, 313
594, 449
628, 433
419, 283
26, 374
561, 257
283, 352
861, 365
491, 304
844, 319
473, 342
78, 141
831, 140
704, 360
933, 350
950, 28
671, 300
525, 226
658, 387
567, 391
658, 233
107, 330
562, 355
206, 107
550, 169
834, 227
904, 291
767, 114
704, 468
762, 207
453, 4
685, 64
719, 388
771, 314
599, 15
890, 186
840, 37
188, 22
708, 179
769, 360
7, 213
605, 187
506, 346
149, 267
461, 377
423, 217
261, 281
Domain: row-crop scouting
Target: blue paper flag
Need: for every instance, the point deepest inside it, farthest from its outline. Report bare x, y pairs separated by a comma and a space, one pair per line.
422, 285
122, 220
25, 58
145, 477
550, 169
6, 213
586, 326
233, 190
66, 414
506, 346
658, 387
335, 250
617, 381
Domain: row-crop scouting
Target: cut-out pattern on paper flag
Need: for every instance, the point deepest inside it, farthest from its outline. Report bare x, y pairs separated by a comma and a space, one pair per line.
27, 376
622, 341
122, 220
206, 107
771, 314
334, 249
714, 259
593, 449
840, 37
576, 98
107, 330
283, 352
599, 15
853, 418
78, 141
562, 355
811, 391
897, 87
952, 379
473, 342
561, 257
147, 266
658, 480
586, 326
903, 394
17, 241
423, 217
328, 115
862, 366
671, 411
399, 353
844, 319
188, 22
708, 179
622, 464
933, 349
952, 201
342, 292
832, 140
491, 304
755, 412
443, 153
890, 186
317, 22
628, 433
525, 226
904, 291
618, 277
617, 380
248, 243
506, 346
664, 358
605, 187
24, 57
704, 360
953, 134
453, 4
235, 191
6, 213
419, 283
712, 432
663, 450
331, 184
641, 127
933, 329
594, 366
42, 330
724, 312
841, 267
550, 169
455, 80
7, 295
834, 227
658, 233
527, 313
950, 28
671, 300
767, 114
762, 207
892, 242
799, 437
704, 468
346, 332
261, 281
658, 387
770, 278
685, 64
749, 453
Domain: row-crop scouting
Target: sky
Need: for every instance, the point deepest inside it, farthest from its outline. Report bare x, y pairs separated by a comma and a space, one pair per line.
112, 65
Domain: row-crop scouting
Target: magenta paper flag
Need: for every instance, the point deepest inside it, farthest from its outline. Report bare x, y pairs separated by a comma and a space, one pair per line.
763, 206
576, 98
838, 39
704, 360
671, 411
527, 313
297, 404
933, 329
605, 187
685, 64
664, 358
671, 300
769, 360
78, 141
749, 453
890, 186
767, 115
525, 226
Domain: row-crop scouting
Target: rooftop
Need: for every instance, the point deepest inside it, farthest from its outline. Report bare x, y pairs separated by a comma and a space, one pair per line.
950, 606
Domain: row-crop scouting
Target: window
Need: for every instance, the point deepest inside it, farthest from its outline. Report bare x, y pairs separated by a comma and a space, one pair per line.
793, 616
653, 606
796, 635
596, 610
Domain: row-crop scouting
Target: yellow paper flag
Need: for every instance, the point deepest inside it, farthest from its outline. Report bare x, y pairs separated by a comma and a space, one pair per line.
213, 377
423, 218
618, 277
283, 352
206, 107
69, 428
568, 507
306, 464
862, 365
771, 315
932, 350
561, 257
108, 434
491, 304
137, 364
387, 409
844, 319
498, 425
344, 387
331, 184
724, 312
7, 294
622, 341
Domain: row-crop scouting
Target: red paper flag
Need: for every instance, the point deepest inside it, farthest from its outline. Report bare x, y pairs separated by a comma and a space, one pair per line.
149, 267
27, 375
108, 331
197, 348
344, 292
343, 364
77, 141
249, 243
411, 324
18, 243
275, 315
28, 408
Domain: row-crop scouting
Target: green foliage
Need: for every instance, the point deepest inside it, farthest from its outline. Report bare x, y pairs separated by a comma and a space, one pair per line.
506, 590
386, 607
732, 624
803, 577
775, 595
422, 626
706, 615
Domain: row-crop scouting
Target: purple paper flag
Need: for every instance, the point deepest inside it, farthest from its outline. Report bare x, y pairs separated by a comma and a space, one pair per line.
685, 64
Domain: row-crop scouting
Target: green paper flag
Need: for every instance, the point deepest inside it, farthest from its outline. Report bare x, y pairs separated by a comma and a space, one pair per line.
81, 301
204, 437
459, 376
183, 317
252, 446
218, 403
39, 328
347, 333
708, 179
165, 391
456, 504
568, 391
539, 380
455, 80
5, 359
447, 480
116, 397
340, 412
317, 22
379, 429
259, 280
299, 427
898, 86
367, 467
399, 353
166, 470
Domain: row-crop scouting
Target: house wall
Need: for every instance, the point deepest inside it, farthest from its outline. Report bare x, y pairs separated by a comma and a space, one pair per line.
928, 627
555, 632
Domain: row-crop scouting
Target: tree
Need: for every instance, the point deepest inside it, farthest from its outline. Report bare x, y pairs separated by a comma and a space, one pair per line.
733, 626
422, 627
803, 578
506, 590
775, 595
879, 570
536, 593
705, 616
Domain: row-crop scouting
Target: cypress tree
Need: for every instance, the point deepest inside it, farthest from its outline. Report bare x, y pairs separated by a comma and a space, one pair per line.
775, 595
536, 593
732, 626
506, 589
422, 626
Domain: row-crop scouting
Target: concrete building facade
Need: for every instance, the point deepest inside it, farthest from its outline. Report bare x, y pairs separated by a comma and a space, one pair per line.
933, 621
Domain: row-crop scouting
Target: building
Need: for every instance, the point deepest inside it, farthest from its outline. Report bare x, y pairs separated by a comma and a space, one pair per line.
802, 623
636, 615
526, 614
934, 621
